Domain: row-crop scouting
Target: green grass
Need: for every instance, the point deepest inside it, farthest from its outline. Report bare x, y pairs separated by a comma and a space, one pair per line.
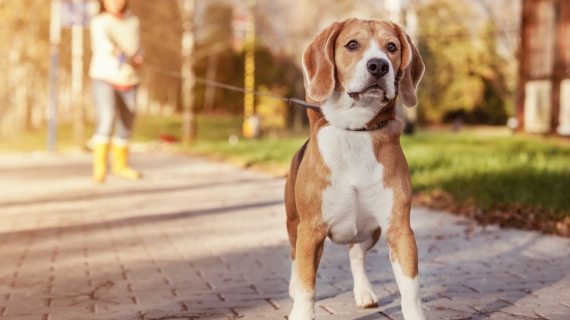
492, 169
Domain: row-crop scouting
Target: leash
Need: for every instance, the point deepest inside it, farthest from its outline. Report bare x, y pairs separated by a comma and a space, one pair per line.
290, 101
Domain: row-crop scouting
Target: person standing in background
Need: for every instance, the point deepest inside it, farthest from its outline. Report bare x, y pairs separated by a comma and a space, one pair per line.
116, 58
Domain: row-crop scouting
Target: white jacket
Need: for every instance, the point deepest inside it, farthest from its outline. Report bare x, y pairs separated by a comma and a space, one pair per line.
108, 32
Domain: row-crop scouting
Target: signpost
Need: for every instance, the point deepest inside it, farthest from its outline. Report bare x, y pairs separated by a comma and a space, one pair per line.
75, 15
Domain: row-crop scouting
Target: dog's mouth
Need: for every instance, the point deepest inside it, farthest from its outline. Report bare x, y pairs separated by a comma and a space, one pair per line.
374, 89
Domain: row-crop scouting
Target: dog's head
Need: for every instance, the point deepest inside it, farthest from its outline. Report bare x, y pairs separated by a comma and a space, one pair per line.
364, 59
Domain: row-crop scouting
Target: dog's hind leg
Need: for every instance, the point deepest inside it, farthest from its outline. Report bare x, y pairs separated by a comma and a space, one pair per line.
363, 293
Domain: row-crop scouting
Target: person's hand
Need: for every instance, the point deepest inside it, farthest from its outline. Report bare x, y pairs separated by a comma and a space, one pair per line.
117, 52
136, 61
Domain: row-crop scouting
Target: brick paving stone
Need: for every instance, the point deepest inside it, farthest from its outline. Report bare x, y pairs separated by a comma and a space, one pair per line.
202, 240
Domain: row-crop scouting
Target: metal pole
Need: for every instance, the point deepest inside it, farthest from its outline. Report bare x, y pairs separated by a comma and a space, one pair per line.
249, 130
77, 80
55, 39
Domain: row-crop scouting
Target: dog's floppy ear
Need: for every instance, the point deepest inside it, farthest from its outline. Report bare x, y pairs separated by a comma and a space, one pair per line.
319, 65
411, 69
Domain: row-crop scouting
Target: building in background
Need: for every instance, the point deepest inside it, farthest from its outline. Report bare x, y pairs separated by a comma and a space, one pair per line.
543, 98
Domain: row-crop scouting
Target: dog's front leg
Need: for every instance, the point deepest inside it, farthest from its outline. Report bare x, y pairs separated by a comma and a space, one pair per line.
309, 248
404, 258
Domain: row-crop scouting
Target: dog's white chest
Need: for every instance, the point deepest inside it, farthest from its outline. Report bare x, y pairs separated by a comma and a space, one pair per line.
356, 203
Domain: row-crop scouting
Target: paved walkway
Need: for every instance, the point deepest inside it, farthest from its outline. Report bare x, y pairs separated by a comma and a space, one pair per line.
202, 240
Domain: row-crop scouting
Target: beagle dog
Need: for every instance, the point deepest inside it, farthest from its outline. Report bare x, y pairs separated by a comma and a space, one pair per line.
350, 180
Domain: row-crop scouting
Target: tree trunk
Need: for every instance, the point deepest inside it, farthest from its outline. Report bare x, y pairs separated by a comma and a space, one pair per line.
211, 76
188, 77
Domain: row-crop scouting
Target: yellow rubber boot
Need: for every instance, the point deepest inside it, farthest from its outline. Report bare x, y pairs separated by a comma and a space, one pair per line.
120, 167
100, 153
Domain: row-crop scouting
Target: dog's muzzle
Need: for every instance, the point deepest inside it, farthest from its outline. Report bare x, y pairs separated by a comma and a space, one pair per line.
378, 84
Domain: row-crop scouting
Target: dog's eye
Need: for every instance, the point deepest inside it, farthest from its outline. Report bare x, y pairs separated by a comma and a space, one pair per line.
352, 45
391, 47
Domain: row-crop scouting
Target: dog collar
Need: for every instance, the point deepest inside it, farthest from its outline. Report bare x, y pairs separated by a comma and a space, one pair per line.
375, 126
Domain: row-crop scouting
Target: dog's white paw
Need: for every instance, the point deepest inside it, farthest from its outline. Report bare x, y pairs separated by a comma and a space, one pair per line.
303, 306
365, 298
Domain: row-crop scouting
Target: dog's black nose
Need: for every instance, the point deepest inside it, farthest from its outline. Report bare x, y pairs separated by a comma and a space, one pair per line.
378, 67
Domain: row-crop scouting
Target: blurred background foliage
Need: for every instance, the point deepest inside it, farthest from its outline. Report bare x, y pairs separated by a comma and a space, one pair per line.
466, 76
469, 47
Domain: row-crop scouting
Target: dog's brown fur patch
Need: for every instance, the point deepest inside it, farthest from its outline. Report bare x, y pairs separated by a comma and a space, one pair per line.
303, 200
399, 235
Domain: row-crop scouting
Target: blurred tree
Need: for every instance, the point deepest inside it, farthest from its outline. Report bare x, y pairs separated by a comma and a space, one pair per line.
214, 39
23, 57
215, 59
272, 112
497, 91
274, 68
470, 65
465, 75
161, 34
